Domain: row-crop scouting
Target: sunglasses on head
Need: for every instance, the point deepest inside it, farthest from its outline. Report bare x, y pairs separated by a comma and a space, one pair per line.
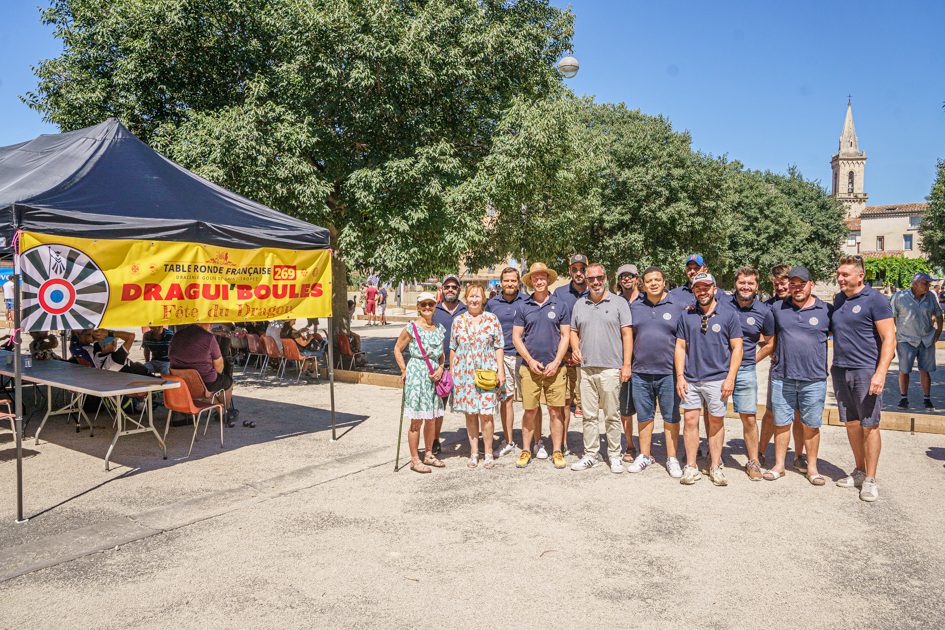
596, 278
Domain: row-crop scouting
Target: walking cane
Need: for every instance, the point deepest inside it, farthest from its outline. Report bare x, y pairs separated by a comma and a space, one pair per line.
400, 431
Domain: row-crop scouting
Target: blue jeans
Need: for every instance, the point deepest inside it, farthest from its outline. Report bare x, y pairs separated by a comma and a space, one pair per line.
745, 396
909, 353
789, 395
648, 389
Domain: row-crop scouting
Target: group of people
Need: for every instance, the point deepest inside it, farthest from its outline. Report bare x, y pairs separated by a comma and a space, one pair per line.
375, 303
688, 352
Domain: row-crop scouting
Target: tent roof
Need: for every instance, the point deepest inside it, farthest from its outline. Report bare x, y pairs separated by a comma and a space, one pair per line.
103, 182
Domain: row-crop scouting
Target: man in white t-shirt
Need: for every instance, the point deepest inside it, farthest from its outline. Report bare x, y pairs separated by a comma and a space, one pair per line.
8, 295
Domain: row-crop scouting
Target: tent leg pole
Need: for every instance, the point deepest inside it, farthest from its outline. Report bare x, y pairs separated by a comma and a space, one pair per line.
331, 375
18, 402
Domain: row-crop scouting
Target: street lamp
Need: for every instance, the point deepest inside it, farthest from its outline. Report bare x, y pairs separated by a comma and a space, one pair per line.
568, 67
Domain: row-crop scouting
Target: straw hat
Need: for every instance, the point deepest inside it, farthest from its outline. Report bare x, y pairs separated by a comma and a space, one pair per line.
539, 268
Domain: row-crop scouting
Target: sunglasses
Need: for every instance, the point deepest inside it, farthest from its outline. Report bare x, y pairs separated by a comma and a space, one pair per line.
624, 276
705, 322
581, 269
596, 278
427, 304
450, 287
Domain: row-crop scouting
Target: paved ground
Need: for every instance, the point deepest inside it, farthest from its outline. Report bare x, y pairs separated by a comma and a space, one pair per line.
285, 527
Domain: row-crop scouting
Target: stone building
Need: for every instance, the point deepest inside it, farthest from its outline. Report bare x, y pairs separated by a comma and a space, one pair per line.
887, 230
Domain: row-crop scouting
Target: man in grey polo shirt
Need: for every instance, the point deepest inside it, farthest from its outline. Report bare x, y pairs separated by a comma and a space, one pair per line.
602, 346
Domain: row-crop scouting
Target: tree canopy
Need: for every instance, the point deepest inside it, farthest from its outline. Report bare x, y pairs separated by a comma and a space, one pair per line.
932, 228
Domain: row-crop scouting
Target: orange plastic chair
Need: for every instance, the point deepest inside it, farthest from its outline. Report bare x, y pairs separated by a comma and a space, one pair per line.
254, 348
344, 350
272, 352
180, 400
291, 352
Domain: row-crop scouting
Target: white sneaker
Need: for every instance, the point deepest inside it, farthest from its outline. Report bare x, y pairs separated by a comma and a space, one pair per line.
641, 462
616, 466
870, 491
717, 477
672, 466
506, 449
853, 480
690, 475
584, 463
541, 453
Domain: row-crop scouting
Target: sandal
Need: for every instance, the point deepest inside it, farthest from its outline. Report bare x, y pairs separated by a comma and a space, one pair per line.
816, 480
473, 461
489, 462
249, 424
772, 475
431, 460
418, 467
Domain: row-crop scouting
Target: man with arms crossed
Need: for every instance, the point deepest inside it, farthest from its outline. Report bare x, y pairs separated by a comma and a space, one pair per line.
506, 306
708, 353
569, 295
864, 342
918, 318
541, 335
757, 325
799, 373
602, 345
628, 286
655, 317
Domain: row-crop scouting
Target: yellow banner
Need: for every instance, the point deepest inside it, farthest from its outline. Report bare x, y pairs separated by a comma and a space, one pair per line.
73, 283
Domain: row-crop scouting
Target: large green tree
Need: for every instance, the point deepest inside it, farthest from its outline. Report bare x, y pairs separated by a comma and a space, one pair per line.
932, 228
360, 115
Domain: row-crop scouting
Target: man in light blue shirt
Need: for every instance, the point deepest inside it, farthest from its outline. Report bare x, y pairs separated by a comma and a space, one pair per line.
918, 318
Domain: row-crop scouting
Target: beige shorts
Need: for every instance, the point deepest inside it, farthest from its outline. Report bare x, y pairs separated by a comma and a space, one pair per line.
513, 384
537, 389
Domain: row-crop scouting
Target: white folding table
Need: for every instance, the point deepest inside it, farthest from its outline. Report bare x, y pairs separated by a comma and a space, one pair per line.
85, 381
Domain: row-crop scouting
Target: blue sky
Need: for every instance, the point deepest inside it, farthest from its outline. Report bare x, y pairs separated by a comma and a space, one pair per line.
765, 83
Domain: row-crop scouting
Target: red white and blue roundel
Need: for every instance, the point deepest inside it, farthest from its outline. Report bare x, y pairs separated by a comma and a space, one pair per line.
62, 288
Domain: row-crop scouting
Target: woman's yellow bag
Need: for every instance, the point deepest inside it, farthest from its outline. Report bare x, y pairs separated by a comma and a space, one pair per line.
487, 379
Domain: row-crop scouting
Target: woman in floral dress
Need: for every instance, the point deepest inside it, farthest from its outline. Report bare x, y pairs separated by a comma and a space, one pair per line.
476, 344
421, 404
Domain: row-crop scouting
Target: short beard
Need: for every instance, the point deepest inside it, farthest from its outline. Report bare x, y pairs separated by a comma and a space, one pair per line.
450, 298
597, 292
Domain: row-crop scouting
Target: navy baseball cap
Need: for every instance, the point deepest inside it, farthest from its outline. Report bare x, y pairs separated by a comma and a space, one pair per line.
799, 272
922, 277
578, 258
696, 258
451, 276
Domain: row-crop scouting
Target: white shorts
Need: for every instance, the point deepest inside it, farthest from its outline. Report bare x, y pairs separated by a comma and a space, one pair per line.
704, 393
381, 308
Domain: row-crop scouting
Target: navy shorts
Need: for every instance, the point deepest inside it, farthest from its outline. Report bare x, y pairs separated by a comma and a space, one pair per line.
626, 399
851, 387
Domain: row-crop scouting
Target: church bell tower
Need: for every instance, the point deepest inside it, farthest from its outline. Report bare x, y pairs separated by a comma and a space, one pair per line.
848, 167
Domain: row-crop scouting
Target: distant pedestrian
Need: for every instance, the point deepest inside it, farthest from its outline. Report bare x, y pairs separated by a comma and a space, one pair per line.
708, 355
9, 291
864, 343
918, 318
381, 307
421, 404
370, 304
476, 344
602, 345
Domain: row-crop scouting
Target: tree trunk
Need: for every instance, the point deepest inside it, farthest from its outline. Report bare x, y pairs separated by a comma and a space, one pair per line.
339, 285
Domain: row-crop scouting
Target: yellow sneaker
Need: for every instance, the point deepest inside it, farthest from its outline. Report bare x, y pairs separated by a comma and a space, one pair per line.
523, 458
558, 460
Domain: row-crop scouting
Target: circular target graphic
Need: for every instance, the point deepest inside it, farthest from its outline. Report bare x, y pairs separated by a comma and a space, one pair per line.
62, 289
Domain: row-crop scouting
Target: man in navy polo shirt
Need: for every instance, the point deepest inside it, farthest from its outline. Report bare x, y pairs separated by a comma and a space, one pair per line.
655, 317
757, 325
799, 373
683, 295
864, 343
708, 353
569, 295
506, 306
541, 335
628, 286
779, 291
444, 314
